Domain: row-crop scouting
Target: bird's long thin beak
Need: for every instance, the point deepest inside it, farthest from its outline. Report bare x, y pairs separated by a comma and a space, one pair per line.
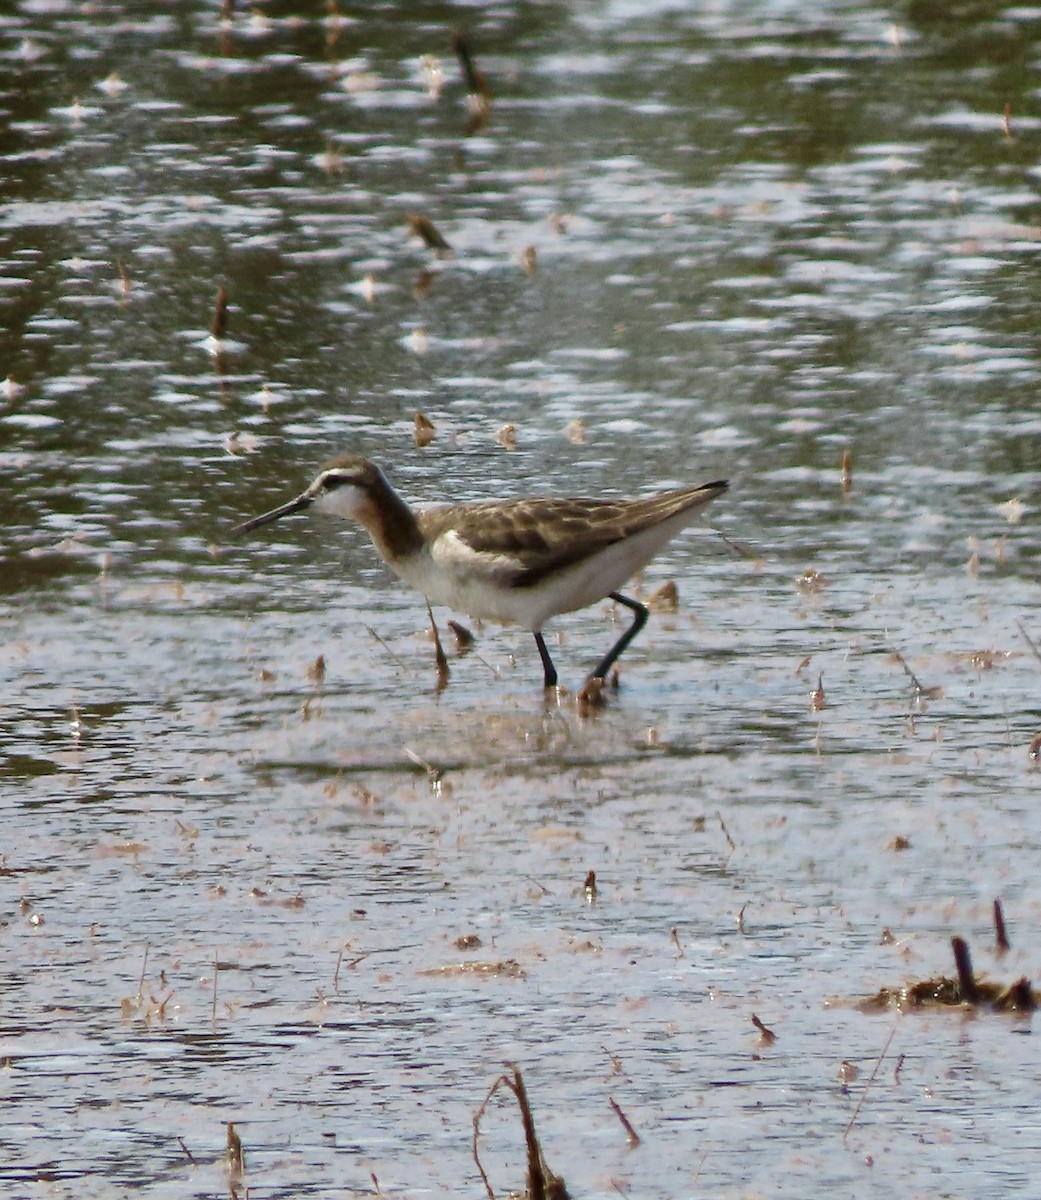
305, 500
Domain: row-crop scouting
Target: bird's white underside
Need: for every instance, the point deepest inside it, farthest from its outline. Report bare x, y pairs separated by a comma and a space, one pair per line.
452, 573
482, 585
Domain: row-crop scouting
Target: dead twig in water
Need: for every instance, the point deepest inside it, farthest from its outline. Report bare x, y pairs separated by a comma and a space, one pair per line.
740, 549
440, 658
970, 991
542, 1183
236, 1155
867, 1086
434, 774
220, 314
376, 637
141, 981
216, 969
726, 832
1029, 641
632, 1136
920, 690
477, 1133
1000, 932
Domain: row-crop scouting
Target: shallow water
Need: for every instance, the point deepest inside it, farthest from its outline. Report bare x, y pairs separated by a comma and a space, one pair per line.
233, 886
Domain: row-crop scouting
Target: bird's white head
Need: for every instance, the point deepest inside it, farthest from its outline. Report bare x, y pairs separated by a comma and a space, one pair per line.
344, 487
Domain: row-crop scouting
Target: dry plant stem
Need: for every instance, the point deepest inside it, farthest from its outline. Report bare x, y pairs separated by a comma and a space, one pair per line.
236, 1156
867, 1086
141, 981
399, 662
216, 968
738, 548
440, 658
1000, 932
630, 1133
970, 993
477, 1133
1029, 641
542, 1183
911, 675
220, 313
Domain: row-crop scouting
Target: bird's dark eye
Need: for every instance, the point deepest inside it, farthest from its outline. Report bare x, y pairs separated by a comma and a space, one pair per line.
335, 479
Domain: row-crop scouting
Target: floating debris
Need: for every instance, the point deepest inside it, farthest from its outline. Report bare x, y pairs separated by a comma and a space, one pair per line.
432, 75
848, 1072
236, 1155
811, 582
112, 85
576, 433
220, 314
1012, 510
11, 389
847, 472
424, 430
425, 229
506, 436
964, 991
424, 282
590, 887
464, 639
478, 93
591, 696
767, 1037
529, 260
665, 599
508, 968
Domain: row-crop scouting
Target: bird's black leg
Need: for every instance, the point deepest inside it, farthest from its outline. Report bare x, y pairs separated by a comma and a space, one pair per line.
547, 662
639, 620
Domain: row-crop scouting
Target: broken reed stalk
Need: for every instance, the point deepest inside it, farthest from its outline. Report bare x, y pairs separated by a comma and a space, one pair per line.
440, 658
1029, 641
220, 314
141, 981
542, 1183
867, 1086
631, 1135
476, 84
236, 1156
1000, 932
477, 1133
216, 968
970, 993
